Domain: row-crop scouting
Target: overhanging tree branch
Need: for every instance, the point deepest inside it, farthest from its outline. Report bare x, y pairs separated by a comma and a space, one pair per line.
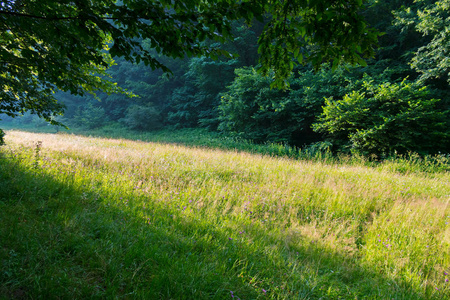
79, 17
71, 53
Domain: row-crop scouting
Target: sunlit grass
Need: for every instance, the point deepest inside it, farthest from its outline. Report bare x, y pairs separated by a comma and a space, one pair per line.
198, 137
91, 217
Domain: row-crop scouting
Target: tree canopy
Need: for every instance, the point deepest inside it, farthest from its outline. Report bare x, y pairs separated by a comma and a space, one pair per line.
432, 20
65, 45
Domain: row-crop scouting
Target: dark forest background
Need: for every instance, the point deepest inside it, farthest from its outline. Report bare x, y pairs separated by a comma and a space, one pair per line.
399, 102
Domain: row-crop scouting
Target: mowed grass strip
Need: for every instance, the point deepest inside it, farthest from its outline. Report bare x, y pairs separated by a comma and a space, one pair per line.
90, 217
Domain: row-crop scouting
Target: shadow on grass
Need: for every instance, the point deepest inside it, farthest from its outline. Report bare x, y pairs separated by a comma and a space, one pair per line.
64, 240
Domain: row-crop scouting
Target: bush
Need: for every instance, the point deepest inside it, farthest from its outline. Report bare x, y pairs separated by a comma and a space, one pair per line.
381, 119
142, 118
251, 109
90, 117
184, 107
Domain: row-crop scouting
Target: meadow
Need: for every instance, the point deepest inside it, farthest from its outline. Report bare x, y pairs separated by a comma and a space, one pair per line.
90, 217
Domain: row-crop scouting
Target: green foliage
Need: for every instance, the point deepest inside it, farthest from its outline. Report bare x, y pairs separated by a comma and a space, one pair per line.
314, 33
90, 117
209, 78
48, 46
184, 107
432, 20
2, 137
383, 118
244, 44
195, 103
152, 87
252, 110
209, 41
67, 46
142, 117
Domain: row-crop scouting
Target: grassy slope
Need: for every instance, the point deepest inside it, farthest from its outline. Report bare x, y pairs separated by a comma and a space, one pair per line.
89, 217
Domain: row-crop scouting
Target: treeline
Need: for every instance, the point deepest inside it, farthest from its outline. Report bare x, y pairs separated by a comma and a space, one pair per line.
399, 102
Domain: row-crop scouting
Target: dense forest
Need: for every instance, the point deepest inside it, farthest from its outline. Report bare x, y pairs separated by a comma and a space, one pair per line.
395, 102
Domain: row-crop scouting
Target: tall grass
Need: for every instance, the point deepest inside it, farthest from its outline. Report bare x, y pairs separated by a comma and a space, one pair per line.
113, 218
410, 163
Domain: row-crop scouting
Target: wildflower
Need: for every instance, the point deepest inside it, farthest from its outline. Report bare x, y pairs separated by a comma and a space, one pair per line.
230, 238
264, 291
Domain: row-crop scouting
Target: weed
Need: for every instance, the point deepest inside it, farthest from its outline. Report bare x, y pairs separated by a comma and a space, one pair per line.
37, 152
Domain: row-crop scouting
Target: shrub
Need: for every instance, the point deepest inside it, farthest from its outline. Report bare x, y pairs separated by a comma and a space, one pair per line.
385, 118
142, 117
251, 109
90, 117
